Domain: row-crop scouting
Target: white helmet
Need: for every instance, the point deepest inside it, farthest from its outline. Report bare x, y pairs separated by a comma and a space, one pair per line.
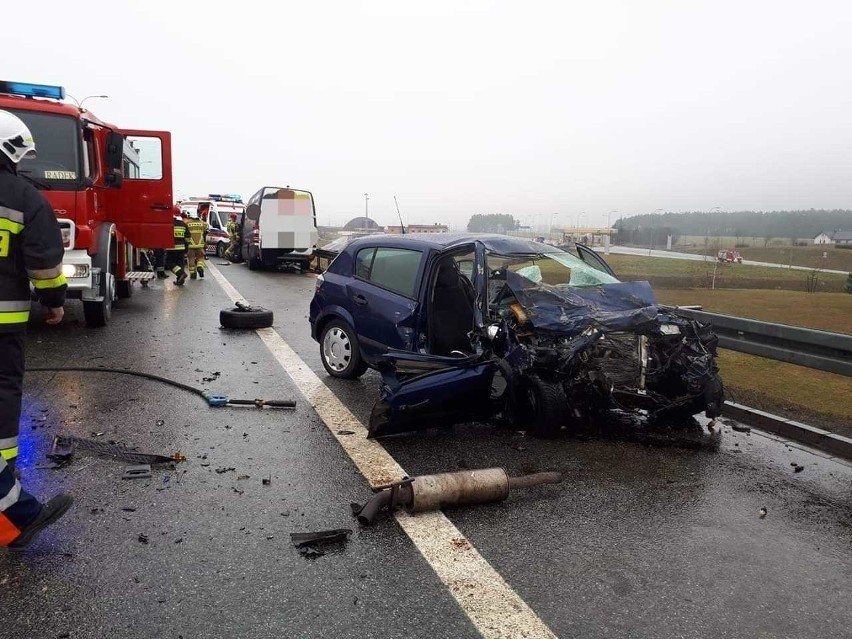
16, 141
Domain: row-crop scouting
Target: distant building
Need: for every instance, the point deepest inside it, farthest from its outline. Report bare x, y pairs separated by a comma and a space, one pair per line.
842, 238
838, 238
362, 226
419, 228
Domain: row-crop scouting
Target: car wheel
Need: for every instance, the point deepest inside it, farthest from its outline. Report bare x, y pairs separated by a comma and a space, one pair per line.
220, 250
340, 352
245, 317
547, 405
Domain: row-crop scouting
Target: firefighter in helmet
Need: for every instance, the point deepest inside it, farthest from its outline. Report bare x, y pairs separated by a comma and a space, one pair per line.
233, 235
31, 253
196, 241
175, 257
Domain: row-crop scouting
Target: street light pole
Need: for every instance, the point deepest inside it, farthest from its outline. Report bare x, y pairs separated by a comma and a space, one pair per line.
653, 213
366, 206
80, 103
707, 234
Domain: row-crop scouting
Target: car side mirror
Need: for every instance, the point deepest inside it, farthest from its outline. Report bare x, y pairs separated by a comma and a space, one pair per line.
114, 179
114, 151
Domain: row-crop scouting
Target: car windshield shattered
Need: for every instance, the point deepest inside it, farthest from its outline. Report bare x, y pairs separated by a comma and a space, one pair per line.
557, 269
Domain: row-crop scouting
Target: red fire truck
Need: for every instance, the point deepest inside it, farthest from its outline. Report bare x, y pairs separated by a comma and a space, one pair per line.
111, 190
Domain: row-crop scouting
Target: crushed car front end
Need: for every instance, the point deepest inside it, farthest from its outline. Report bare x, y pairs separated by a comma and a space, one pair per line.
558, 342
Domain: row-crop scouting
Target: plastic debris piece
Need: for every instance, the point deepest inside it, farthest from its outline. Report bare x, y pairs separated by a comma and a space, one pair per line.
62, 449
143, 538
346, 432
225, 470
308, 542
741, 428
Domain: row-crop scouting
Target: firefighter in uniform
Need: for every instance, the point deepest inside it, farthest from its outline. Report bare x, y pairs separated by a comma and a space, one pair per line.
233, 236
175, 258
196, 240
31, 251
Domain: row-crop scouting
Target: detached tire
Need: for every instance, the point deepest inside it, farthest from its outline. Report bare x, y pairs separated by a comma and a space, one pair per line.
548, 407
248, 317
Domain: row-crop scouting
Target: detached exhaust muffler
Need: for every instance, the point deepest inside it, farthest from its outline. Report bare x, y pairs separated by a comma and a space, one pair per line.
433, 492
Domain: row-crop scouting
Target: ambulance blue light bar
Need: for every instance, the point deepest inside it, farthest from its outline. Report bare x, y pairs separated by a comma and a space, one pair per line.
32, 90
232, 197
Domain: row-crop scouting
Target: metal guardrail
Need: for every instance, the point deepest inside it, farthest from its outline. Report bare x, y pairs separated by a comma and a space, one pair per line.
822, 350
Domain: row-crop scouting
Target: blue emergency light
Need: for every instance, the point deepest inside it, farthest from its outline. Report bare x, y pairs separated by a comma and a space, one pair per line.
32, 90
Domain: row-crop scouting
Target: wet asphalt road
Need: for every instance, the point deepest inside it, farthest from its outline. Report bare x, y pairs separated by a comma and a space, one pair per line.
653, 534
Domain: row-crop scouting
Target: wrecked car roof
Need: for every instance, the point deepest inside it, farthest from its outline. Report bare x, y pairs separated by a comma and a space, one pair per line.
502, 244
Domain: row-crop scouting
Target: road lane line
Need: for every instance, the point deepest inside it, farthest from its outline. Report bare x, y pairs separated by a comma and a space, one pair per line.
489, 602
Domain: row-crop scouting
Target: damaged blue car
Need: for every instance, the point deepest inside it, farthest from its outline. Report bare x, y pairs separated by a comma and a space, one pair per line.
488, 327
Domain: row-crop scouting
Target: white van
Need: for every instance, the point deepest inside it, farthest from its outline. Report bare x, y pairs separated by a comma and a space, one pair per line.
279, 227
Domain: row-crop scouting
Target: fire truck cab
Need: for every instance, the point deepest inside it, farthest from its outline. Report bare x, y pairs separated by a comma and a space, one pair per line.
110, 188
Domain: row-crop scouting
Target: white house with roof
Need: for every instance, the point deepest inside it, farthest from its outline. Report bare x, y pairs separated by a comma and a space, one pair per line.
842, 238
838, 238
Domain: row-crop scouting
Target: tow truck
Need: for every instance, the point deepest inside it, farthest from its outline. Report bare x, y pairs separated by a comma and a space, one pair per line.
110, 188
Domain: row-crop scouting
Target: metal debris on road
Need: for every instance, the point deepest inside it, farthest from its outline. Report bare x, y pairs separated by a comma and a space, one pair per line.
797, 468
741, 428
433, 492
143, 538
62, 443
763, 512
220, 471
139, 471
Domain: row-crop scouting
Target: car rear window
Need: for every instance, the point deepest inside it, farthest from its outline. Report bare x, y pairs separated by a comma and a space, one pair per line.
391, 268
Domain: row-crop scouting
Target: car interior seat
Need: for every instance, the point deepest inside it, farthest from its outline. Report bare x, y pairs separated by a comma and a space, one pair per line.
452, 311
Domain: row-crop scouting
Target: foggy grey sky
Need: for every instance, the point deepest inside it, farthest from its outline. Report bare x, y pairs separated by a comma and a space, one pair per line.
470, 107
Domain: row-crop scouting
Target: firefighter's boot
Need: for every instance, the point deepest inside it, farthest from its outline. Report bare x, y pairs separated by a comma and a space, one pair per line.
180, 274
200, 269
49, 513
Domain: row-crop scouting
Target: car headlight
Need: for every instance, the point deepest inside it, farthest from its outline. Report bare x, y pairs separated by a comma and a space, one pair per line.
670, 329
75, 270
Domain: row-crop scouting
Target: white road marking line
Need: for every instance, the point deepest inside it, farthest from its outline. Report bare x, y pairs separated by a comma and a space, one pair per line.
489, 602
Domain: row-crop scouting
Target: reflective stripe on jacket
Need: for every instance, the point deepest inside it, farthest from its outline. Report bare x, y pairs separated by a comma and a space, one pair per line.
31, 251
180, 235
196, 229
